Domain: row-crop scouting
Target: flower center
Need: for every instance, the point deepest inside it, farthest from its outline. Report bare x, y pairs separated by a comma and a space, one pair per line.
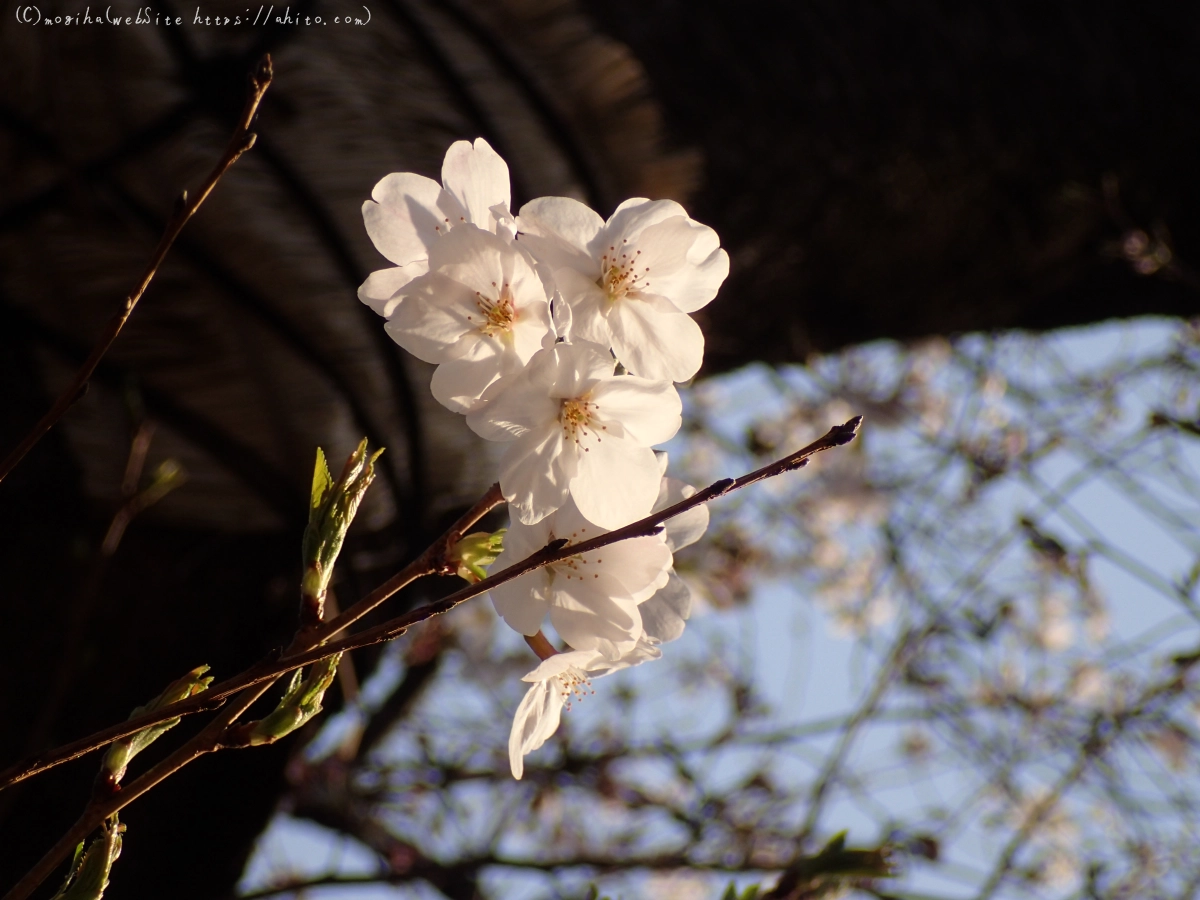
499, 314
573, 566
621, 273
574, 685
577, 417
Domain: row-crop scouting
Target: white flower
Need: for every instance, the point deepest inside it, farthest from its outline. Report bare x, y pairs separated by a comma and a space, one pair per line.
664, 614
407, 213
632, 280
555, 681
579, 430
481, 311
592, 598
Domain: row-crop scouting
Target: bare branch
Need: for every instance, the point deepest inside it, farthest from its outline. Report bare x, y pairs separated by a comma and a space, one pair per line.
431, 561
241, 141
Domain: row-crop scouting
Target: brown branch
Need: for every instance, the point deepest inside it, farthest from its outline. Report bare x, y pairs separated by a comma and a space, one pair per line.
215, 735
242, 140
299, 655
429, 561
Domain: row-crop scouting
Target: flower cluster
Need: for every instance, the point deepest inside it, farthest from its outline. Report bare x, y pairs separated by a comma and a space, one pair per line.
561, 335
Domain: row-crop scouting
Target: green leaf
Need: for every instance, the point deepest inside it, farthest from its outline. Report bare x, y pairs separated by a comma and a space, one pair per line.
300, 703
322, 480
90, 870
121, 752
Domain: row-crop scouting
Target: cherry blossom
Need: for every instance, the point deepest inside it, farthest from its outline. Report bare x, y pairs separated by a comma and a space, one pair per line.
481, 312
555, 682
407, 213
592, 598
577, 429
665, 613
631, 281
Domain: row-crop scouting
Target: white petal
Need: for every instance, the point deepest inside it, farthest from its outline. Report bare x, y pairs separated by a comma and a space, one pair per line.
459, 384
404, 219
703, 278
477, 178
536, 719
583, 660
655, 340
434, 315
695, 281
591, 611
632, 217
664, 614
662, 251
524, 406
522, 602
688, 527
648, 411
589, 306
473, 257
579, 366
380, 289
641, 565
563, 317
558, 230
536, 472
616, 483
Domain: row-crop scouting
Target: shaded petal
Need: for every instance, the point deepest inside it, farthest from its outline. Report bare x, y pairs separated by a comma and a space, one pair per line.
458, 384
616, 483
631, 218
558, 230
688, 527
583, 660
525, 405
662, 251
653, 339
434, 315
589, 306
578, 367
664, 614
380, 289
695, 286
536, 719
648, 411
404, 220
536, 472
477, 178
472, 257
563, 317
522, 602
591, 611
641, 565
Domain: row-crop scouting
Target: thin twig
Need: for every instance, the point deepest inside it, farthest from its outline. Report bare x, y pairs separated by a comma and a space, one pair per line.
242, 140
270, 669
429, 561
213, 736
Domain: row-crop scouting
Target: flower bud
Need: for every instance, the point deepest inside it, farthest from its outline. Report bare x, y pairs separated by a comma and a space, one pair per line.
329, 516
89, 873
121, 752
301, 702
474, 553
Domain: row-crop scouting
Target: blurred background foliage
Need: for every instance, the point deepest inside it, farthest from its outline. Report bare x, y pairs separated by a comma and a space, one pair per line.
970, 636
